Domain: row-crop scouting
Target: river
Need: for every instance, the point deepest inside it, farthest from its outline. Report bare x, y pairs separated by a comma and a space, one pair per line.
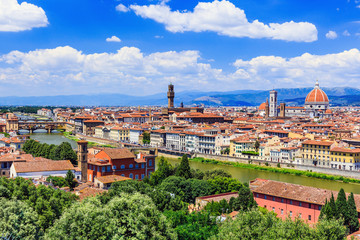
244, 175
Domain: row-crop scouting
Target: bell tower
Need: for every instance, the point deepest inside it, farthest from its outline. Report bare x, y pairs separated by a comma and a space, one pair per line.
170, 95
82, 159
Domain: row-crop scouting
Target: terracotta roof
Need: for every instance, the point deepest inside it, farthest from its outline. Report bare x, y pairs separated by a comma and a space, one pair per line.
112, 178
296, 192
118, 153
43, 166
322, 143
317, 96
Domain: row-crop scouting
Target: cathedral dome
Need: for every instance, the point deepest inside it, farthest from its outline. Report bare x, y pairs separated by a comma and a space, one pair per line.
316, 96
262, 106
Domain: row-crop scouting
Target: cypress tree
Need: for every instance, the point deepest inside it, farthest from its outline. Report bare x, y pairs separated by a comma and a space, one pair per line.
333, 212
353, 222
342, 206
184, 168
325, 212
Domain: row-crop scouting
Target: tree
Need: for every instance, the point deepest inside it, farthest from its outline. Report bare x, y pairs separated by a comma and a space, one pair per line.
67, 153
183, 170
165, 169
196, 225
257, 146
70, 182
146, 138
224, 185
353, 222
18, 220
210, 174
245, 201
342, 206
127, 217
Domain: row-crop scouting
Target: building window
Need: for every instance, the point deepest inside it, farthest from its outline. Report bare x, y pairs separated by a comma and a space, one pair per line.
265, 197
136, 165
109, 168
142, 165
150, 162
142, 176
309, 217
123, 175
290, 213
282, 211
136, 176
299, 215
131, 166
291, 202
131, 175
282, 200
300, 204
273, 209
309, 205
257, 195
122, 166
319, 207
103, 169
273, 198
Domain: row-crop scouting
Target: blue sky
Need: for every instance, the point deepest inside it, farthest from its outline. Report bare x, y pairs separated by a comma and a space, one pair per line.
54, 47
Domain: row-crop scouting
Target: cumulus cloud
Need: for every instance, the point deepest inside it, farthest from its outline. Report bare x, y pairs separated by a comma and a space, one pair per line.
346, 33
122, 8
224, 18
15, 17
331, 35
113, 39
340, 69
65, 70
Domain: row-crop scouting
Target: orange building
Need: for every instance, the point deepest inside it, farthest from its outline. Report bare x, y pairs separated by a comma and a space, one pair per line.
121, 162
286, 199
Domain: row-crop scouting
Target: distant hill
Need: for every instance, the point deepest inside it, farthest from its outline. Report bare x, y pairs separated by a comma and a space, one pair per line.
292, 96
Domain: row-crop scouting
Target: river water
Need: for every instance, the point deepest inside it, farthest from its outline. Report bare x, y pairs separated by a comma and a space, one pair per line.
244, 175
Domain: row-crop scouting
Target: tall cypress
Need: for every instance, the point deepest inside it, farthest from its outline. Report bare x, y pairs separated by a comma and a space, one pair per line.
325, 212
183, 170
333, 208
353, 222
342, 206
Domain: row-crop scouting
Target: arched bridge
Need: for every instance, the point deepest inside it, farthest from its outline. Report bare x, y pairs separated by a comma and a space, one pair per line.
34, 125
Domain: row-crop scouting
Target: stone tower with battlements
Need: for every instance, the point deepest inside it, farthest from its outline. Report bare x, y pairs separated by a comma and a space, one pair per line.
171, 95
82, 159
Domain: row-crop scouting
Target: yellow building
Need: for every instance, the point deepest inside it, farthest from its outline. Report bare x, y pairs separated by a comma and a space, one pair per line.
120, 134
345, 158
237, 146
317, 152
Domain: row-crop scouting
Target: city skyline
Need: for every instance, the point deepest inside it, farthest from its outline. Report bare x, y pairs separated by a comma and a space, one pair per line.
138, 47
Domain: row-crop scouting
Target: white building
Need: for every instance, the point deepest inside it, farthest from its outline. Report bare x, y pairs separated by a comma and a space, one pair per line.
39, 169
135, 134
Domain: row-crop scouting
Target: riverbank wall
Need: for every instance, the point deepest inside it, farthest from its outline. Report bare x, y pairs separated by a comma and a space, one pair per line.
256, 161
99, 140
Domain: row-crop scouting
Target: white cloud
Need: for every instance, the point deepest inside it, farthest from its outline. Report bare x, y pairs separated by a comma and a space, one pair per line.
331, 35
65, 70
346, 33
15, 17
113, 39
340, 69
224, 18
122, 8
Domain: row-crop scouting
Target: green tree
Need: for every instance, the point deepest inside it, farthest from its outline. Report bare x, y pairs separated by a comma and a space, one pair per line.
257, 146
210, 174
245, 201
183, 170
224, 185
146, 137
196, 225
67, 153
164, 170
353, 221
70, 182
127, 217
342, 206
18, 220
